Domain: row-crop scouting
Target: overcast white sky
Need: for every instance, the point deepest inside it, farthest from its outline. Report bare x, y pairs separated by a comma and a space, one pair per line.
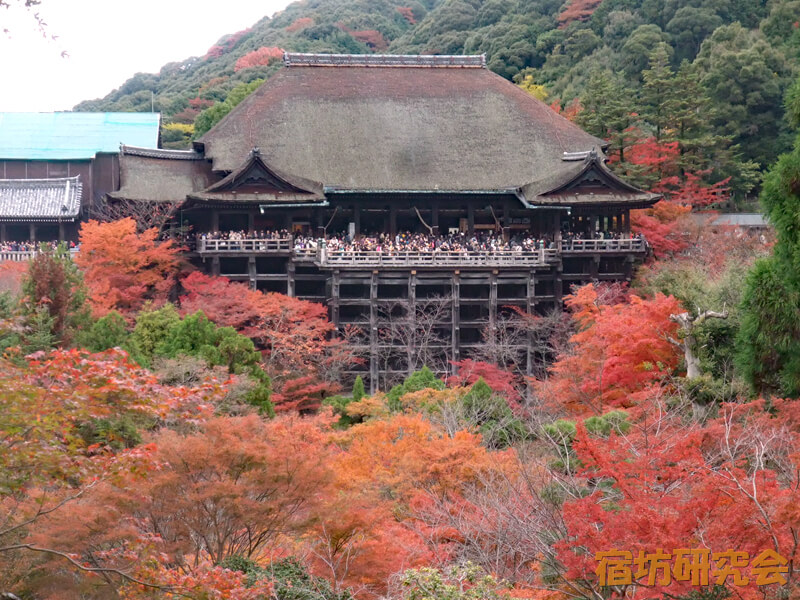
107, 41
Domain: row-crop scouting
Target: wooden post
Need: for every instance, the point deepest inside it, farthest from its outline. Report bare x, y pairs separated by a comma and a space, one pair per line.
215, 270
32, 232
334, 297
357, 218
455, 334
435, 217
61, 232
215, 221
3, 233
290, 283
626, 222
320, 223
393, 220
493, 301
470, 218
412, 317
251, 271
373, 333
531, 304
251, 222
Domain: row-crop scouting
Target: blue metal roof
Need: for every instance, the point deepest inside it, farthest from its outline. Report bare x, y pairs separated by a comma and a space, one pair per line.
73, 135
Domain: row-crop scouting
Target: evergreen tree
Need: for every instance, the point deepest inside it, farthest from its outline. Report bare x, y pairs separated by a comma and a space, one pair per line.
608, 111
769, 338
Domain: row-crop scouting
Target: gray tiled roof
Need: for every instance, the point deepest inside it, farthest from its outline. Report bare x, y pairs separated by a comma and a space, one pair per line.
40, 199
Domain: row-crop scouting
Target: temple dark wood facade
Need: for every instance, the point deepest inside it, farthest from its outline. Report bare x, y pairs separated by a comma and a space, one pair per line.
355, 145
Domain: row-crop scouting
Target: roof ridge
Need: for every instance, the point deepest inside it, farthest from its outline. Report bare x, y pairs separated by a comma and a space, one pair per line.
299, 59
41, 181
160, 152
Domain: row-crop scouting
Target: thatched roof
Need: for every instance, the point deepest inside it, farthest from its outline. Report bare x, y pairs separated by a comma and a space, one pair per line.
431, 125
161, 175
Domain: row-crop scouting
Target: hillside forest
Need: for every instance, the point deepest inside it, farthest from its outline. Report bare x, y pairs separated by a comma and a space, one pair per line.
166, 434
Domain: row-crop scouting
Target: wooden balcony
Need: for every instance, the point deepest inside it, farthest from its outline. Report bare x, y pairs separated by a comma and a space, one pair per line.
246, 246
503, 258
24, 255
591, 246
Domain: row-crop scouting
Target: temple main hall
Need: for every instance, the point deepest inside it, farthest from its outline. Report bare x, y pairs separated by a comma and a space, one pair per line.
424, 199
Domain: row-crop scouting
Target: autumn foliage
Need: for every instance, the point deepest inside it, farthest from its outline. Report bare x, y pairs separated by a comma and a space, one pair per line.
577, 10
621, 350
124, 269
264, 56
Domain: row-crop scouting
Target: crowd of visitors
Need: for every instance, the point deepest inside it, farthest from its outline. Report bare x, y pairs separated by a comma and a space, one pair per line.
420, 242
28, 246
406, 241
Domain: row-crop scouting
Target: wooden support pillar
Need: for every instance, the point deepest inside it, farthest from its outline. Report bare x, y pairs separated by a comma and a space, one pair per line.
626, 222
215, 221
412, 321
334, 298
32, 232
393, 220
435, 217
455, 334
594, 267
61, 232
290, 282
357, 218
628, 267
595, 225
251, 271
470, 218
493, 301
373, 333
557, 228
251, 222
320, 223
215, 266
558, 283
3, 233
505, 221
531, 305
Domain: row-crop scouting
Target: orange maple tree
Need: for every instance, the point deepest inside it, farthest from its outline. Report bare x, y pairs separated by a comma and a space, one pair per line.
728, 485
124, 269
294, 334
620, 350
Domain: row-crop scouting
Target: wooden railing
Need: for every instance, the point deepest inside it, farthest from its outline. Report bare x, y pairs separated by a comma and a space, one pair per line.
621, 245
24, 255
247, 245
500, 258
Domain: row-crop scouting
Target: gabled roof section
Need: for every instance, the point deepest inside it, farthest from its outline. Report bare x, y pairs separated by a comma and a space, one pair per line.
57, 199
257, 181
73, 135
151, 175
360, 123
587, 180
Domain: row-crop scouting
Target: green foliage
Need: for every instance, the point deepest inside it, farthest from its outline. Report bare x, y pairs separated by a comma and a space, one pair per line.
291, 579
420, 380
358, 389
110, 331
768, 348
456, 582
490, 412
151, 332
117, 433
561, 434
